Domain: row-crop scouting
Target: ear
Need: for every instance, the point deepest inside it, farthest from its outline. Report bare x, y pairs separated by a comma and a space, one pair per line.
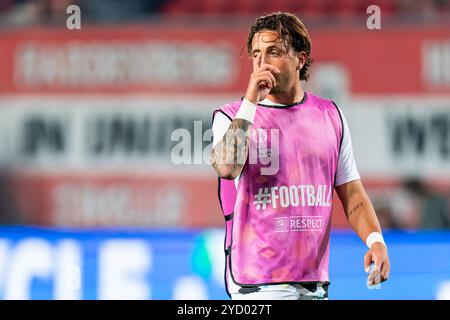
301, 59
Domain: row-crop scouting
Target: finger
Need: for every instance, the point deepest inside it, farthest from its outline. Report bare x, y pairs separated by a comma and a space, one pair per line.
271, 76
386, 271
367, 261
377, 279
374, 278
384, 268
376, 271
265, 84
267, 78
265, 72
258, 61
270, 67
255, 62
265, 81
373, 275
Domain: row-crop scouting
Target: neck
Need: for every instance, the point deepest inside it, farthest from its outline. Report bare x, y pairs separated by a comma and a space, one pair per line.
289, 97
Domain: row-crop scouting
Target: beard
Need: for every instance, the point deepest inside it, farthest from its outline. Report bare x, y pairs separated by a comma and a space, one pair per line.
276, 89
281, 85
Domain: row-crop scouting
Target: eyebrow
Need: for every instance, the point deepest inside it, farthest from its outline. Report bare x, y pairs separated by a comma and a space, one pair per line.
268, 48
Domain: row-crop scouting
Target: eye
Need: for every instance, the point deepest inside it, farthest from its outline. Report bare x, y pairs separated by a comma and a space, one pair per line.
274, 53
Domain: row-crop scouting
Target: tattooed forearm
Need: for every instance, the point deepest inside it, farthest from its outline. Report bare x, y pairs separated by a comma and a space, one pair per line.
229, 155
354, 209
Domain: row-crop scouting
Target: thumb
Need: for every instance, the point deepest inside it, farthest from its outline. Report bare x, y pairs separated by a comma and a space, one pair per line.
367, 261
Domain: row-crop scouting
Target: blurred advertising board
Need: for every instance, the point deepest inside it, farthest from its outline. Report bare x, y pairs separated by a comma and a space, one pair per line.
169, 58
43, 263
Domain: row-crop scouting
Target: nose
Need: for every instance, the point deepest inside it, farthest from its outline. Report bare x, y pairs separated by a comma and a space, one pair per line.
265, 58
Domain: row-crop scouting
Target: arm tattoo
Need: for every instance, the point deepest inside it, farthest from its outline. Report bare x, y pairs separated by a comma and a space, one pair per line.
232, 150
355, 208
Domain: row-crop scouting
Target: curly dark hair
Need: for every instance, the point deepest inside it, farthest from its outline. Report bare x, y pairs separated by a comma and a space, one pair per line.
292, 32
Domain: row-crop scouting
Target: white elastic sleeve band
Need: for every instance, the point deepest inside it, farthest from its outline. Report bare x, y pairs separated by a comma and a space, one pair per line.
246, 111
374, 237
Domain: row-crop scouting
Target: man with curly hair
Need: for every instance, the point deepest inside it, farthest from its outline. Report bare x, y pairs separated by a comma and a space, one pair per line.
278, 218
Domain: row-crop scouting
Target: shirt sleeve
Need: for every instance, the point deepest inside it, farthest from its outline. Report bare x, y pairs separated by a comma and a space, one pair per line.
220, 125
346, 169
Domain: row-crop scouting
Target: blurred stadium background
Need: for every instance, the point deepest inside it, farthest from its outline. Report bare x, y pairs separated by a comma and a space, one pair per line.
92, 205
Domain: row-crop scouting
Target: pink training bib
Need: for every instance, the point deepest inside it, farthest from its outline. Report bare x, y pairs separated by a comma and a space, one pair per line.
278, 216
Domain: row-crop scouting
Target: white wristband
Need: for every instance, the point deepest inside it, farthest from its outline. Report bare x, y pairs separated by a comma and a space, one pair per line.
374, 237
246, 111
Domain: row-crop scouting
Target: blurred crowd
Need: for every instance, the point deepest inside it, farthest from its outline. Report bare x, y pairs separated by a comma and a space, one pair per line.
26, 12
